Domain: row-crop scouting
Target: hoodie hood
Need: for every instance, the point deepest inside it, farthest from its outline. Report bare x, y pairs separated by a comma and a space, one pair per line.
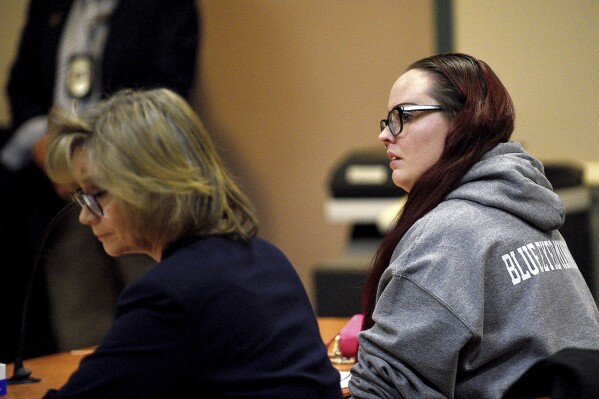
509, 179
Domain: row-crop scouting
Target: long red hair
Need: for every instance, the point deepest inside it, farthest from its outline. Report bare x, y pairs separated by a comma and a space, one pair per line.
482, 115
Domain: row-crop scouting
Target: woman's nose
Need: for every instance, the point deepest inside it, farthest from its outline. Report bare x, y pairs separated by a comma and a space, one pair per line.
86, 216
385, 136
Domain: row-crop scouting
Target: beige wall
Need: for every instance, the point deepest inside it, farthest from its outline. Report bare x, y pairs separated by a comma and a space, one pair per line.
287, 87
546, 52
12, 19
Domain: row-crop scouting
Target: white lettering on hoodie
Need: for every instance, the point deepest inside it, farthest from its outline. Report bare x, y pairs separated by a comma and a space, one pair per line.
537, 257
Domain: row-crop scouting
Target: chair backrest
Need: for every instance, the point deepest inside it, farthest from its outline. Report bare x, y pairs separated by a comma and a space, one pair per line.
82, 283
569, 373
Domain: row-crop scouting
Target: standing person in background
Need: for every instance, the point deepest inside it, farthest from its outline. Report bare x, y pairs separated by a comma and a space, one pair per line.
474, 284
223, 314
71, 54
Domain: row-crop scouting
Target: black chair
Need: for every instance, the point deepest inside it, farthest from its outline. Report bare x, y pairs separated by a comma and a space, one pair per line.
75, 288
571, 373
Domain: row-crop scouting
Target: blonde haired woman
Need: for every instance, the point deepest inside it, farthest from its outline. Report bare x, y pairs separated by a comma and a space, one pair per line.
223, 313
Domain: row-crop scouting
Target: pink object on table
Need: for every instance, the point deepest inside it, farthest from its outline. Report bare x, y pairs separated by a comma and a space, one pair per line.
348, 336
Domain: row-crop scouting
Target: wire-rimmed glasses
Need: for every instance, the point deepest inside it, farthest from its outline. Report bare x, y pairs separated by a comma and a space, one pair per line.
90, 201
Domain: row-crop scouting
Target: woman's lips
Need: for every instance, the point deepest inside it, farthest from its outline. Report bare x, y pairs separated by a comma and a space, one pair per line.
101, 236
394, 159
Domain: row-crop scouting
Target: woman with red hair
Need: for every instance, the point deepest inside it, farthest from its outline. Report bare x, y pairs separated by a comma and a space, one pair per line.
474, 283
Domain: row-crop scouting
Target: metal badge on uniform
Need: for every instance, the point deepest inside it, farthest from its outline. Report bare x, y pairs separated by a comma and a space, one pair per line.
80, 76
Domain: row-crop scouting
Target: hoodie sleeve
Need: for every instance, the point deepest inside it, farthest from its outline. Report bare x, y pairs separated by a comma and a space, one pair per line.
413, 348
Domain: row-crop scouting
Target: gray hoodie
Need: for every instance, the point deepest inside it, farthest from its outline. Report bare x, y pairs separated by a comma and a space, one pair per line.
477, 291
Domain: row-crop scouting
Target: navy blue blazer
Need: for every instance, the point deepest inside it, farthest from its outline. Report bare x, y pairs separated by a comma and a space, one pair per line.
217, 317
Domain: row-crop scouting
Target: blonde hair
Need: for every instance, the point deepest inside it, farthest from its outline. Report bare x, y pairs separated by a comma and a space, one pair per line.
151, 151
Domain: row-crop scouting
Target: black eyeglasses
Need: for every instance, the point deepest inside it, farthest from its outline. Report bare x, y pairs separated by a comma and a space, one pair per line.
90, 201
401, 113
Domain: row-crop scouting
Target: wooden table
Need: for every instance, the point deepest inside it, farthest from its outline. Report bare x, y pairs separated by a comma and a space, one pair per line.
329, 328
54, 370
